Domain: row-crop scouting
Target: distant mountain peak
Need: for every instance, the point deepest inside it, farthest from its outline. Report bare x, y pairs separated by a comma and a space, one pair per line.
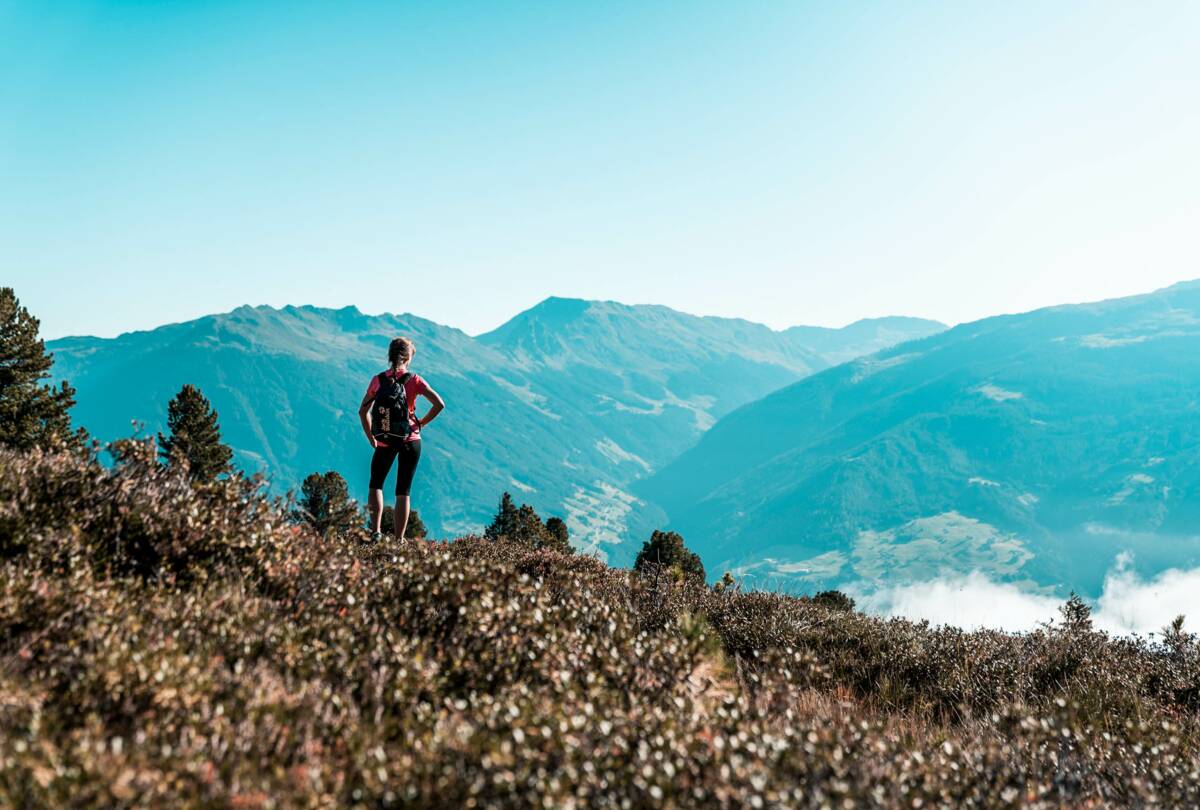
557, 308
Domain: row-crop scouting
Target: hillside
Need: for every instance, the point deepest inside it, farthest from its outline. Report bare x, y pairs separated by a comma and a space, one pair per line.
166, 645
565, 405
1031, 447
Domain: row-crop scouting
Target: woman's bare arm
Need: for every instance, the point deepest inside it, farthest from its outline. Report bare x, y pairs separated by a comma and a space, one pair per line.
438, 406
364, 416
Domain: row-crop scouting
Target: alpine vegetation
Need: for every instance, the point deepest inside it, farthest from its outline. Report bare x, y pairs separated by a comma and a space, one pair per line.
170, 642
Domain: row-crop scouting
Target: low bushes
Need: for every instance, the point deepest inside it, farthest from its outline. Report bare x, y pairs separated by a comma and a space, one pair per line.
169, 644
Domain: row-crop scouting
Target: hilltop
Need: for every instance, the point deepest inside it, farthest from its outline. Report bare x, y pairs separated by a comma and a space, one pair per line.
168, 644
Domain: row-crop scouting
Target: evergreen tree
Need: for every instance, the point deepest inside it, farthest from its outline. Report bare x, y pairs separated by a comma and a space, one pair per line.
195, 436
504, 524
834, 600
415, 530
668, 550
31, 414
325, 503
523, 525
556, 527
529, 529
1077, 616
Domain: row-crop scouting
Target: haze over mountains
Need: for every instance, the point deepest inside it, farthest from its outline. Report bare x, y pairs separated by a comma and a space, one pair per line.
1035, 448
566, 405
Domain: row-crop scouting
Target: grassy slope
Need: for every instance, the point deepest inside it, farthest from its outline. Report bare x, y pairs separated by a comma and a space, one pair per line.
168, 646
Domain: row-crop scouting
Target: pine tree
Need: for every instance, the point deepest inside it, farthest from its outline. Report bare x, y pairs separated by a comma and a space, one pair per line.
529, 528
1077, 616
415, 530
504, 524
668, 550
32, 415
834, 600
325, 503
195, 437
523, 525
560, 536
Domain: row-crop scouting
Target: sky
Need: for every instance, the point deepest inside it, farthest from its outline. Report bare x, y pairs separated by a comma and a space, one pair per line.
786, 162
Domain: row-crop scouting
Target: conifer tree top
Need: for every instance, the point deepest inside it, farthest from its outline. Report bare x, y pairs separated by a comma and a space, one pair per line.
31, 414
195, 436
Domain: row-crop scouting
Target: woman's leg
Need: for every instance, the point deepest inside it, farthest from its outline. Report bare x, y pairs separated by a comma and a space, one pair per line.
381, 465
409, 456
375, 507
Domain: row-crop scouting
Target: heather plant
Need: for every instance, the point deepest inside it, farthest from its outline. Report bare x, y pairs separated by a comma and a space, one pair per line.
164, 644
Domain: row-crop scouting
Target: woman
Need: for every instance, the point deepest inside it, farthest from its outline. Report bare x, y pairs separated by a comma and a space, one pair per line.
388, 416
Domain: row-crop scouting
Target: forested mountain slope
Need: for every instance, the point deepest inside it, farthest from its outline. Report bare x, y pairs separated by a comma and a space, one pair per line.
1031, 447
565, 405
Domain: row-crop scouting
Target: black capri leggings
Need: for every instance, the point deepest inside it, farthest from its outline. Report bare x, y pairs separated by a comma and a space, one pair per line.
409, 454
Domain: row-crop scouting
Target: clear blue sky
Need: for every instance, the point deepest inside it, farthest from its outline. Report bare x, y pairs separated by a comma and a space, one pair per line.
787, 162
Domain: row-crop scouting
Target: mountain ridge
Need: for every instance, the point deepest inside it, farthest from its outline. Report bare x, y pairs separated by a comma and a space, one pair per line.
1065, 428
565, 415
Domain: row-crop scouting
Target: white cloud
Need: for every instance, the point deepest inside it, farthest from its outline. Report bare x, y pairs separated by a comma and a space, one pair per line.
1132, 604
971, 602
1127, 604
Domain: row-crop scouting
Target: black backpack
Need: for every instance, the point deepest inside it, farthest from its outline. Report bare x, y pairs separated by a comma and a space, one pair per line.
391, 408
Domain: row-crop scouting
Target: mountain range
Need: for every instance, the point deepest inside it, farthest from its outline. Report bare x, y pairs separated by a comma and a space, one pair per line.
1039, 448
567, 405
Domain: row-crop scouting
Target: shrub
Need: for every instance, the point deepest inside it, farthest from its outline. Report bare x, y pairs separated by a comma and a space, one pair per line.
415, 530
164, 644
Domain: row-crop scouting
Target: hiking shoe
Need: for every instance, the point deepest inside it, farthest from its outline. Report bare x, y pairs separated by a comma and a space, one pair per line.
376, 536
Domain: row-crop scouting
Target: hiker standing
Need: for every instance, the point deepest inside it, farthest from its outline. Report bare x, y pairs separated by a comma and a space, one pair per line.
389, 419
